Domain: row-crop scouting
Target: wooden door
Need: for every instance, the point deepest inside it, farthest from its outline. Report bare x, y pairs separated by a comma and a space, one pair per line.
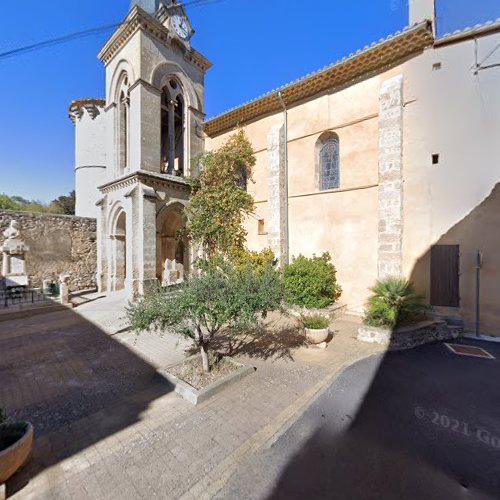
445, 270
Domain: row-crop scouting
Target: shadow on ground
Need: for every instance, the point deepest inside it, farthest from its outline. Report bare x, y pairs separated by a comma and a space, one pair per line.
274, 339
418, 424
74, 382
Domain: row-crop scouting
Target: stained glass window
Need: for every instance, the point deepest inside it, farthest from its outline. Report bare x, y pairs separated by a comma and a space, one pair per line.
329, 164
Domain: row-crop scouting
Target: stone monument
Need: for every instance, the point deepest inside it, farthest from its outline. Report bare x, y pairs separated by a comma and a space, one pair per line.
14, 257
64, 294
173, 273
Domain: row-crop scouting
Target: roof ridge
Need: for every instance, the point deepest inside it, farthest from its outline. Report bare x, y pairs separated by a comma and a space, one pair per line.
490, 24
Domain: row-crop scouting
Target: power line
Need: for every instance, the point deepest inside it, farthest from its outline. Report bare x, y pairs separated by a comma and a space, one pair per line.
86, 33
57, 41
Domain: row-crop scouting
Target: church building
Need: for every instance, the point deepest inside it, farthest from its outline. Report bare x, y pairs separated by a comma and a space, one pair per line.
387, 159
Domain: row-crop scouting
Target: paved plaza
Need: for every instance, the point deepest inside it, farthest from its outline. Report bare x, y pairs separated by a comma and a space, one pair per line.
109, 426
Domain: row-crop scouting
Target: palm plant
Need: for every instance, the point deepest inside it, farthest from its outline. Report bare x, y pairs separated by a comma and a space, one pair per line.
394, 303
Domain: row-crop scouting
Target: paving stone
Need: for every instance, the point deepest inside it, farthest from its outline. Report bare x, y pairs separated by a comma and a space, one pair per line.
107, 426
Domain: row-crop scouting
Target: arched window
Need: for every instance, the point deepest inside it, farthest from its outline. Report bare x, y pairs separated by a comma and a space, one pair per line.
328, 162
242, 180
172, 129
123, 125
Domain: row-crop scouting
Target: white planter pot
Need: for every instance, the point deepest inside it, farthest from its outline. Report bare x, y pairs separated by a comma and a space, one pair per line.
314, 336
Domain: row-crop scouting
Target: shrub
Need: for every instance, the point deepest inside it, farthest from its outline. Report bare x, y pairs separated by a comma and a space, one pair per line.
258, 261
218, 297
394, 303
311, 283
315, 322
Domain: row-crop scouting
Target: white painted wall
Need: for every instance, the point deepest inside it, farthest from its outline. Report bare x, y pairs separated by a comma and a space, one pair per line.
453, 111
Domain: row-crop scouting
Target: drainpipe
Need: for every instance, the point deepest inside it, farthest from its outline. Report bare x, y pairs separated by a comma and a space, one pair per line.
285, 154
478, 297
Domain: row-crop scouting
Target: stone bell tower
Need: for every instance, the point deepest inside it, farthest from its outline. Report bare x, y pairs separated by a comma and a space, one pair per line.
152, 116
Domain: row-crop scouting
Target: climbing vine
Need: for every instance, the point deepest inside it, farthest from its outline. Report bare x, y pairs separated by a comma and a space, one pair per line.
219, 201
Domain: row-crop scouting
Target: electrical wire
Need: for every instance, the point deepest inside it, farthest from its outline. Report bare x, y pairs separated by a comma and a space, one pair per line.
88, 32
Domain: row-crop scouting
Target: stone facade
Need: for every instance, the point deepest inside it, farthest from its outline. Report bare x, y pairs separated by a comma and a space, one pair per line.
390, 190
142, 137
57, 244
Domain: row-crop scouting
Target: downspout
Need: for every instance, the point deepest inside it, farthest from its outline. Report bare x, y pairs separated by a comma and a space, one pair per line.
479, 259
285, 154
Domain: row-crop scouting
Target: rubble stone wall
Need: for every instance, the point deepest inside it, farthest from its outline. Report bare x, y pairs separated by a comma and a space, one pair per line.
57, 244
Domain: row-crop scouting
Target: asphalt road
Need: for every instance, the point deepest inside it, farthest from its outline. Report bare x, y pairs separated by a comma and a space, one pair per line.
420, 424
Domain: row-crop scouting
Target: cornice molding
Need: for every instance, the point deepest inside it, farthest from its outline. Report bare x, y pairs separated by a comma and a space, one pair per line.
150, 179
146, 84
92, 106
139, 20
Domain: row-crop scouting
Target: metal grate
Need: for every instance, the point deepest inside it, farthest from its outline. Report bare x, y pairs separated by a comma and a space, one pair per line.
20, 295
467, 350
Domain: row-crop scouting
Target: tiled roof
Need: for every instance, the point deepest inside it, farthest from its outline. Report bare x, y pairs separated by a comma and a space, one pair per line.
378, 55
470, 31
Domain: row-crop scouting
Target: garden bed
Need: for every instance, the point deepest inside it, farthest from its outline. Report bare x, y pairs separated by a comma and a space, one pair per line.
195, 386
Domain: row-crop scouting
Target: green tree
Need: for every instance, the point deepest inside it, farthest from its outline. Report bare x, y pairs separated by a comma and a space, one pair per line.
219, 201
221, 297
64, 204
7, 203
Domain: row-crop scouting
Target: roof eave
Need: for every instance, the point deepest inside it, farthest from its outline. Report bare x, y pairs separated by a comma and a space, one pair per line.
411, 40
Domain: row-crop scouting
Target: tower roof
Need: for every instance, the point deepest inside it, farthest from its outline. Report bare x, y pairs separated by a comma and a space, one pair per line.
150, 6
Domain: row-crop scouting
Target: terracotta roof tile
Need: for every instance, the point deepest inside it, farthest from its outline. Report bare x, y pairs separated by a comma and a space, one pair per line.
378, 55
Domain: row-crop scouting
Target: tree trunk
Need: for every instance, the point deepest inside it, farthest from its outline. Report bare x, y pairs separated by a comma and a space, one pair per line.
204, 358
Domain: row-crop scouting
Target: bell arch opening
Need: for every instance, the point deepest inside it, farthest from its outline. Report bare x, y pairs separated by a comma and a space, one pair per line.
123, 124
173, 125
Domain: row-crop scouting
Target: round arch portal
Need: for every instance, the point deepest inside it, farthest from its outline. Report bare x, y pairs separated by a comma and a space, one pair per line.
172, 249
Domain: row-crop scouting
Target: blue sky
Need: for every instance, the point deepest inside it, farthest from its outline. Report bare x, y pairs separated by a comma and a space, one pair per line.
254, 46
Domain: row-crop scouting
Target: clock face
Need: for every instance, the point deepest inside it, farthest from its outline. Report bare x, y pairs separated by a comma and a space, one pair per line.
180, 26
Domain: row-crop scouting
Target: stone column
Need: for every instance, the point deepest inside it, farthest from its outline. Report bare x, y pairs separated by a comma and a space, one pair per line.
277, 202
171, 136
141, 246
390, 164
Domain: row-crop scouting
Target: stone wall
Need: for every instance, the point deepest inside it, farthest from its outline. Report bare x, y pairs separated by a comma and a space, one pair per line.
409, 336
58, 244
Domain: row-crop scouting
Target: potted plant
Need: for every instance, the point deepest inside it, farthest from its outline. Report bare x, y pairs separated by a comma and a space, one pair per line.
16, 439
316, 328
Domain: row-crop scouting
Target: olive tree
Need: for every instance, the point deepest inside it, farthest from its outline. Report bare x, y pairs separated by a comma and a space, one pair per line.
221, 297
